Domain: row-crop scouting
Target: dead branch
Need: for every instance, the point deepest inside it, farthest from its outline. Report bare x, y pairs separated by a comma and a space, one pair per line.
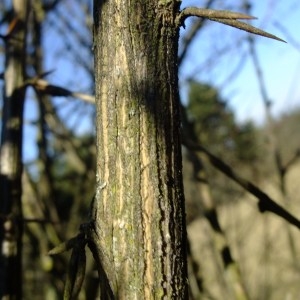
265, 203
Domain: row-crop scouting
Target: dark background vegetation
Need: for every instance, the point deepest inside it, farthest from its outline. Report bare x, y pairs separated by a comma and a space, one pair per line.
59, 157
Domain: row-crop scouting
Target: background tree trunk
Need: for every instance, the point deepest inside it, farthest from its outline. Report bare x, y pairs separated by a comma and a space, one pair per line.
140, 233
11, 157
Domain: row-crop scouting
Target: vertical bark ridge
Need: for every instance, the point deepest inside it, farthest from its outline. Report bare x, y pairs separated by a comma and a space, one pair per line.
139, 207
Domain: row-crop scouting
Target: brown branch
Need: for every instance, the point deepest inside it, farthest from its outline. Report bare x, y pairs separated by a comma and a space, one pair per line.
292, 161
45, 87
39, 220
265, 203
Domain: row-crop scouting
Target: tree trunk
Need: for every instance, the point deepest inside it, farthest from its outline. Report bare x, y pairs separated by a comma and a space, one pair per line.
11, 158
138, 212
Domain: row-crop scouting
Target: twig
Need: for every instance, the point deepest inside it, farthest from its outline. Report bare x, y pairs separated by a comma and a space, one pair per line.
291, 162
291, 40
265, 203
45, 87
188, 38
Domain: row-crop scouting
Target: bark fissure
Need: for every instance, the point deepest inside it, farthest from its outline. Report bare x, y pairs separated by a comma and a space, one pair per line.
147, 210
136, 54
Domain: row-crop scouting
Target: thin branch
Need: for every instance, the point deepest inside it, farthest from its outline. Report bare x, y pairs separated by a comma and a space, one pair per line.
291, 162
215, 57
265, 203
45, 87
287, 35
188, 38
235, 72
38, 220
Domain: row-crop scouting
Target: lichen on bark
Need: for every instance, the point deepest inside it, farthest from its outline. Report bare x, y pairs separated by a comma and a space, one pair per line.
139, 207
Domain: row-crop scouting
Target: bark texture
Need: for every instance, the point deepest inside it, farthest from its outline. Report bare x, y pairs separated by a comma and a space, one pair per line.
138, 212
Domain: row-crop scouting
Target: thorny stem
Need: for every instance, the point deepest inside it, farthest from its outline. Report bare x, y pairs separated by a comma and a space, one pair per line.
225, 17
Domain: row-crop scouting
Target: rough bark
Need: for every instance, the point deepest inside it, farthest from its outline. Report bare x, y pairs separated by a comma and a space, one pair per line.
11, 158
138, 211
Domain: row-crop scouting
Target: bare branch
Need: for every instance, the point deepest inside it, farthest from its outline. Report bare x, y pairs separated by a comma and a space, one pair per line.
291, 40
45, 87
292, 161
265, 203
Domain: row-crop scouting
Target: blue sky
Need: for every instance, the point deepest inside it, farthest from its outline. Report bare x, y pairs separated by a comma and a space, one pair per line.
280, 62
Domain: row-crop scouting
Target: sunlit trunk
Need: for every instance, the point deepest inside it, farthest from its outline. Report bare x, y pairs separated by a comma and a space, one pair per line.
139, 213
